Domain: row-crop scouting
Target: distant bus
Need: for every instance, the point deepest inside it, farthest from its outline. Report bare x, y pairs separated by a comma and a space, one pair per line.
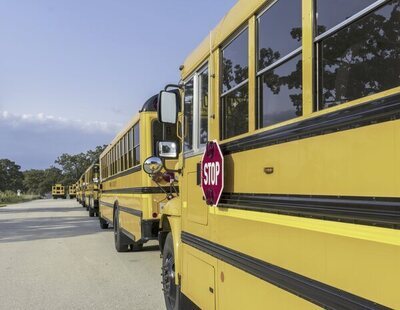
91, 189
303, 98
72, 191
58, 191
130, 200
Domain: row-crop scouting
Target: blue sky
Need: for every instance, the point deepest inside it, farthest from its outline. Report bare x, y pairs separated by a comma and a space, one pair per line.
72, 72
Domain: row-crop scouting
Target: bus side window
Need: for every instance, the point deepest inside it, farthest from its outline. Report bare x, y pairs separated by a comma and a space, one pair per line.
235, 87
188, 111
203, 107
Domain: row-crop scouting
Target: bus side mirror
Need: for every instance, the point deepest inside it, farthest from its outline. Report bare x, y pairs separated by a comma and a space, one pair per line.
168, 149
152, 165
168, 103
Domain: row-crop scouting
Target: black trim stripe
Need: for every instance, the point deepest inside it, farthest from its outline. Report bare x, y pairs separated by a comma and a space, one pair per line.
139, 190
383, 212
130, 211
124, 209
314, 291
106, 204
123, 173
377, 111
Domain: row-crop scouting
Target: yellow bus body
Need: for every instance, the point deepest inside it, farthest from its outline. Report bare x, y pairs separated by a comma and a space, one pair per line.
72, 191
308, 218
91, 189
58, 191
128, 194
80, 190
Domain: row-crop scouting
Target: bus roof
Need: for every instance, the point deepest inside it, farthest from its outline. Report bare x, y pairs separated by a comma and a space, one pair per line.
149, 106
96, 162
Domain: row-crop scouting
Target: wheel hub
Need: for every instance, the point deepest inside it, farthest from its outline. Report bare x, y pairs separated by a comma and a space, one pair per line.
169, 279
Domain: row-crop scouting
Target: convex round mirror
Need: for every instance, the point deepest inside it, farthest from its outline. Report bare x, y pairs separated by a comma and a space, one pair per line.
152, 165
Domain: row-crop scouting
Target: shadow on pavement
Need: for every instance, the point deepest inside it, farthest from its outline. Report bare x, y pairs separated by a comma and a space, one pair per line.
40, 210
27, 229
150, 248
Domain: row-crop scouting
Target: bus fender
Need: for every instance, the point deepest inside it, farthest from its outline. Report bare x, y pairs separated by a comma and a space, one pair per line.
173, 207
170, 210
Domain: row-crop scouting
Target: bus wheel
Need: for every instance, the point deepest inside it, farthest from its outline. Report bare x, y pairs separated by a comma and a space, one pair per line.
91, 212
171, 290
137, 246
103, 223
119, 239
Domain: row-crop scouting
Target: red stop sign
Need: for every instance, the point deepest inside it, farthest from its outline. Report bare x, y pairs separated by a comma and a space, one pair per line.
212, 173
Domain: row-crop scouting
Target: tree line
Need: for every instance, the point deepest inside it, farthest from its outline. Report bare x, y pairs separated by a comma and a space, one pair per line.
67, 169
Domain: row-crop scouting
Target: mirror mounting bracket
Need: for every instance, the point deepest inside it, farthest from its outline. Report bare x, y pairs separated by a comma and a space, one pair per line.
180, 86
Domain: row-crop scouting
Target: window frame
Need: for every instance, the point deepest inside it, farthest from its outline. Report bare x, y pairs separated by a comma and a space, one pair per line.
203, 69
225, 45
331, 31
135, 145
280, 62
197, 148
222, 94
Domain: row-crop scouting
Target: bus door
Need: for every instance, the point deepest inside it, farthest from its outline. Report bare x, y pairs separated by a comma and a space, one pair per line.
198, 279
195, 139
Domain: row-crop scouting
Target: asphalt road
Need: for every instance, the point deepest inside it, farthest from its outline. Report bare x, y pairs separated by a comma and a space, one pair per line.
53, 256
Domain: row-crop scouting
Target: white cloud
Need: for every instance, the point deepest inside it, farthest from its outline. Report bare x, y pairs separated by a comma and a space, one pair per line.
42, 121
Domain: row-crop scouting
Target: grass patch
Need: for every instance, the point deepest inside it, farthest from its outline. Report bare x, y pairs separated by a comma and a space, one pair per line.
9, 197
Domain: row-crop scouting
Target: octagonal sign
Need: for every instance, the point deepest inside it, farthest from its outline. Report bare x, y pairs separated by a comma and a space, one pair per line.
212, 173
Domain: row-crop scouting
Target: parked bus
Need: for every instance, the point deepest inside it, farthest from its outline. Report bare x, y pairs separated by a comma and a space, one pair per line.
72, 191
130, 200
303, 98
58, 191
79, 190
91, 189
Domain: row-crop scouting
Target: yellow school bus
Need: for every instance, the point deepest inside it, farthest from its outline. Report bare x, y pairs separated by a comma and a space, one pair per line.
91, 189
72, 191
130, 200
58, 191
79, 190
303, 98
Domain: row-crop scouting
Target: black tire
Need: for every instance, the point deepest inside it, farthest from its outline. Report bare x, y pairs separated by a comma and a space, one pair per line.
120, 240
91, 212
103, 223
170, 289
136, 247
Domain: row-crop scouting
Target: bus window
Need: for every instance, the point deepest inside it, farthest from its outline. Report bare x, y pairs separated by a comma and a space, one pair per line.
331, 13
235, 95
351, 58
203, 107
279, 76
188, 111
130, 147
136, 143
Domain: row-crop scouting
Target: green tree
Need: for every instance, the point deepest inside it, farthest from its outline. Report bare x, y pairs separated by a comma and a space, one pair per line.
73, 166
32, 181
52, 176
11, 177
